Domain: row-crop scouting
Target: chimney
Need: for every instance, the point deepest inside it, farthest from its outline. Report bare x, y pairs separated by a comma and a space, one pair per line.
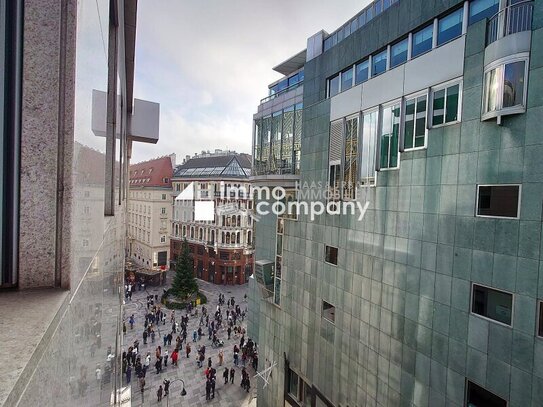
172, 158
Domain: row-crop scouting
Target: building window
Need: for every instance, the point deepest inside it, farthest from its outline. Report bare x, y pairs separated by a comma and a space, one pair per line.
85, 243
446, 105
368, 145
481, 9
501, 201
350, 164
450, 27
398, 53
299, 389
331, 255
422, 41
162, 239
362, 70
505, 89
334, 192
477, 396
390, 130
333, 86
492, 304
163, 197
328, 311
415, 122
347, 79
87, 194
379, 63
540, 318
163, 211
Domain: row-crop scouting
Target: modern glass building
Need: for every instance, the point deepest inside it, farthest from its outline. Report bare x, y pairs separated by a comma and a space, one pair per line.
427, 112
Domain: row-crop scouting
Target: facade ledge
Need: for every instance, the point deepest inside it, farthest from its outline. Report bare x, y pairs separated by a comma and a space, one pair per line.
29, 320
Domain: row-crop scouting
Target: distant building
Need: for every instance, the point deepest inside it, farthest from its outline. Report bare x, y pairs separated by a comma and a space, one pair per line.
222, 248
149, 212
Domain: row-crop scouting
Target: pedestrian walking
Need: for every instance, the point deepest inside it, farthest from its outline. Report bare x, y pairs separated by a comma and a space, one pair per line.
165, 357
187, 350
142, 388
232, 373
221, 357
225, 375
208, 389
159, 393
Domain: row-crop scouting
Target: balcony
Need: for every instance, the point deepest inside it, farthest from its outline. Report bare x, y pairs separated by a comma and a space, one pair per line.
281, 92
510, 20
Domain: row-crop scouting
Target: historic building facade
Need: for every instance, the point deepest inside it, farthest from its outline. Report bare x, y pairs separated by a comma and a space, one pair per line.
221, 246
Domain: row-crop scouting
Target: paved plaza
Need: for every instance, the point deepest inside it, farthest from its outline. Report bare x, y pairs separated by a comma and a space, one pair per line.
187, 370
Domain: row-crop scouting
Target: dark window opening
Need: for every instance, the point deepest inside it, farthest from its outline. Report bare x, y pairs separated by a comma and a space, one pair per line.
492, 304
480, 397
331, 255
328, 311
498, 200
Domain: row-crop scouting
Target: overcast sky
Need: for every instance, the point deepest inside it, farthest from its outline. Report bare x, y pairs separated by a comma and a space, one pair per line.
208, 64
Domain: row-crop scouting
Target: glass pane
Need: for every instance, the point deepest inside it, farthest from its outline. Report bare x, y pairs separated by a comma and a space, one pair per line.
354, 25
350, 169
513, 84
333, 86
409, 124
420, 123
395, 136
347, 79
422, 41
369, 13
450, 27
362, 71
398, 53
540, 319
491, 91
481, 9
368, 144
362, 19
479, 397
379, 63
438, 107
498, 201
493, 304
328, 43
451, 115
378, 7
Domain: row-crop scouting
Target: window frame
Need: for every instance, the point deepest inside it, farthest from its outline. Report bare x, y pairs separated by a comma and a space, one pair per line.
437, 88
337, 254
502, 62
539, 314
322, 311
431, 27
459, 10
396, 43
473, 284
368, 62
372, 67
466, 395
498, 185
328, 86
376, 141
380, 130
357, 117
415, 95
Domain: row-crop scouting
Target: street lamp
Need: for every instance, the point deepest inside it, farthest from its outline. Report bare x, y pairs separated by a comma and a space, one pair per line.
183, 392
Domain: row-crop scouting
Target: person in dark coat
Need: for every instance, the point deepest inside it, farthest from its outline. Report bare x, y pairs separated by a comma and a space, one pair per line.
159, 393
208, 389
225, 375
232, 373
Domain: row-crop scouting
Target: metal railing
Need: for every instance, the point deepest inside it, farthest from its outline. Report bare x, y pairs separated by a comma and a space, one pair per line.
510, 20
287, 89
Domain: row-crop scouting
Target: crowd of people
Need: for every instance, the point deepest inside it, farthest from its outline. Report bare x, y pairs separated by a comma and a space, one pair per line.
223, 323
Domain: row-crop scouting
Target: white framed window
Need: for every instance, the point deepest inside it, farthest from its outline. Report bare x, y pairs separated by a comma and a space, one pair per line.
163, 211
498, 201
389, 155
505, 87
415, 125
368, 146
163, 197
162, 239
446, 103
492, 304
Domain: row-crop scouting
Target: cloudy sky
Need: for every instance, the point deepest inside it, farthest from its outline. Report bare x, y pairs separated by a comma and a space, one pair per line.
208, 64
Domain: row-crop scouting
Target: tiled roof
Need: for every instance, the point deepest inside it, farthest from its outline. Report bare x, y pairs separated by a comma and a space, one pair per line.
152, 173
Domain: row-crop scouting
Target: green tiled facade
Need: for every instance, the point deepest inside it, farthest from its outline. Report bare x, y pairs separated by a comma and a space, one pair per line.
404, 334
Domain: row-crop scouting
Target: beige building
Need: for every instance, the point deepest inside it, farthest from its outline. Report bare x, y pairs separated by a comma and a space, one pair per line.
149, 212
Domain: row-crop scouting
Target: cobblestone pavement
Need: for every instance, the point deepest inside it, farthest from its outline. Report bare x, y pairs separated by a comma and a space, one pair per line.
194, 378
